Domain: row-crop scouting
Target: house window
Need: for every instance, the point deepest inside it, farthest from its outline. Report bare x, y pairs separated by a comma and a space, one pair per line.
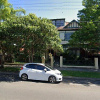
59, 23
61, 35
67, 36
53, 22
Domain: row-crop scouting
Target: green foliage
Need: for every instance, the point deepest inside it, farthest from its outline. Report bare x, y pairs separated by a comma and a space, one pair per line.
88, 36
6, 10
34, 34
10, 69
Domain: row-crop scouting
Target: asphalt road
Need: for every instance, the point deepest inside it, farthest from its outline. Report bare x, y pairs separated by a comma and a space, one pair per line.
12, 88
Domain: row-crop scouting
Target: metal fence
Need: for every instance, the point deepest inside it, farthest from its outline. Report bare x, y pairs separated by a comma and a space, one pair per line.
79, 62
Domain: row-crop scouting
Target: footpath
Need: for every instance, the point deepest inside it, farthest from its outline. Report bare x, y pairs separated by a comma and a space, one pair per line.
78, 69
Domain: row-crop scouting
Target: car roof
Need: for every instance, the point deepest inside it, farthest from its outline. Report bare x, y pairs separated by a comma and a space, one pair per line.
34, 63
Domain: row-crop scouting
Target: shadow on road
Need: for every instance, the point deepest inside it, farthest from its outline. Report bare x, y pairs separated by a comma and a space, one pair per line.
9, 78
85, 82
15, 78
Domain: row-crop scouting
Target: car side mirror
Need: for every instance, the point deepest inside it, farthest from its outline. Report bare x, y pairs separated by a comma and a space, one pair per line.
45, 70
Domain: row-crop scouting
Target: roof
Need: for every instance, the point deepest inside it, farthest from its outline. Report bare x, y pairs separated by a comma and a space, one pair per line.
66, 23
67, 29
67, 26
60, 28
58, 19
71, 23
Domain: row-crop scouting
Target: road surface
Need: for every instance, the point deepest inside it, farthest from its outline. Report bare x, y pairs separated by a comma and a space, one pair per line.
12, 88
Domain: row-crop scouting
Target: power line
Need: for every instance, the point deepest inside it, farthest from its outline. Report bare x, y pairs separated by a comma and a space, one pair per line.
48, 5
52, 9
51, 3
55, 5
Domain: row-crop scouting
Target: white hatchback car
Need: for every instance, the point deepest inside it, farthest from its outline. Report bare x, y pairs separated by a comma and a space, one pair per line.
38, 71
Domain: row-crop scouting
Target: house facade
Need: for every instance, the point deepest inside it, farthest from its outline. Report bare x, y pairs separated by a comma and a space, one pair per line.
66, 29
80, 56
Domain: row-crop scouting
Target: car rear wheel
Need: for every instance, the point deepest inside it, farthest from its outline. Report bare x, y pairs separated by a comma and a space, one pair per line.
52, 79
24, 77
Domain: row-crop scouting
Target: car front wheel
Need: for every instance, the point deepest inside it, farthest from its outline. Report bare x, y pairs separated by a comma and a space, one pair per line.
52, 79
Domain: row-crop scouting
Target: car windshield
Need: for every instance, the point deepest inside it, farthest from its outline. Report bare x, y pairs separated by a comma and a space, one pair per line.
49, 67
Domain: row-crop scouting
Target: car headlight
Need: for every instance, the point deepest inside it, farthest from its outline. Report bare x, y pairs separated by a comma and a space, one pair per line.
58, 73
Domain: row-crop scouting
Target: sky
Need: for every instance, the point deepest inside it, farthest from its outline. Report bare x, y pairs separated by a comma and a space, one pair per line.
50, 9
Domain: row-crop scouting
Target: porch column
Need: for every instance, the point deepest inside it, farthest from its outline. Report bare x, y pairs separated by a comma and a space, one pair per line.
61, 61
46, 55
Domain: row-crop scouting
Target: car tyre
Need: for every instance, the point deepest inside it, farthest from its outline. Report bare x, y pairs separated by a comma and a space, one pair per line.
24, 77
52, 79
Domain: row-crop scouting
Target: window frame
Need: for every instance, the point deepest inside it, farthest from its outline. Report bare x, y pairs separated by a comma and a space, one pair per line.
31, 67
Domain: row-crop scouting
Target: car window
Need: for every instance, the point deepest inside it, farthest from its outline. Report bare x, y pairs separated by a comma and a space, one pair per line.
39, 67
47, 69
32, 66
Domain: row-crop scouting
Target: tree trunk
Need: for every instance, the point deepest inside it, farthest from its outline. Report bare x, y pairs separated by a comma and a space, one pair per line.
32, 58
13, 58
29, 58
2, 59
32, 54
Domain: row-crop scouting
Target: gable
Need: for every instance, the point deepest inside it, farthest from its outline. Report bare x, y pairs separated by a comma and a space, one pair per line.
72, 24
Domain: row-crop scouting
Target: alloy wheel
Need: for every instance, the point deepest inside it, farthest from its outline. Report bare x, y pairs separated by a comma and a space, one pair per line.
52, 79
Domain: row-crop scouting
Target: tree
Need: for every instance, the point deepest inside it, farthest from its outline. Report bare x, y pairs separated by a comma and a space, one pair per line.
88, 36
34, 34
6, 10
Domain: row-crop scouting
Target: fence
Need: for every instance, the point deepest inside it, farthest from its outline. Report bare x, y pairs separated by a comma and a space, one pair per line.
87, 63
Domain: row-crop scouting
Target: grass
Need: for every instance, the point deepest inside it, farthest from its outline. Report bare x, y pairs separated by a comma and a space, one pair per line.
64, 72
81, 74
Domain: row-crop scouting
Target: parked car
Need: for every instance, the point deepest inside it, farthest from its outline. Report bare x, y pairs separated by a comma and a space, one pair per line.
38, 71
